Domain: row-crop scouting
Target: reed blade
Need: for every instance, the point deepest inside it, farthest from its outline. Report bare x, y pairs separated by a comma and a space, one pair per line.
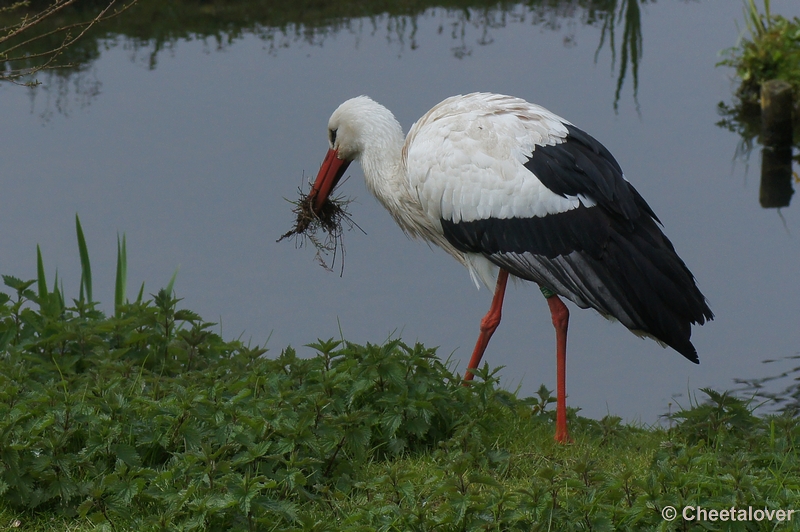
171, 283
120, 283
59, 293
141, 294
40, 279
86, 268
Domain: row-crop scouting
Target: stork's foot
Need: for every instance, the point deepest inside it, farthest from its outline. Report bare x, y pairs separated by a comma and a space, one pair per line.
562, 435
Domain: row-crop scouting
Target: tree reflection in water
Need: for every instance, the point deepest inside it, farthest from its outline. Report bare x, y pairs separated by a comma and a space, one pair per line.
285, 23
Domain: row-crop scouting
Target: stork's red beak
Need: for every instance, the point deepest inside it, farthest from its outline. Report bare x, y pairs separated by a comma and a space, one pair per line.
330, 173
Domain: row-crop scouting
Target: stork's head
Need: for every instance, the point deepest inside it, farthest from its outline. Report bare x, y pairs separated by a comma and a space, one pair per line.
344, 139
354, 126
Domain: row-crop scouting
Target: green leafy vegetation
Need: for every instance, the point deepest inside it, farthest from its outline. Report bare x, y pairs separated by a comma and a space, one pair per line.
148, 420
771, 52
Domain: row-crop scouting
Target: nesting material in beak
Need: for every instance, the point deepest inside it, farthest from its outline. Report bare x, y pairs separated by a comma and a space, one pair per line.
324, 227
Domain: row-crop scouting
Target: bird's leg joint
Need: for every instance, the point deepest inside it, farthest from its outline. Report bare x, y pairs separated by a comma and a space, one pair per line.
559, 312
490, 321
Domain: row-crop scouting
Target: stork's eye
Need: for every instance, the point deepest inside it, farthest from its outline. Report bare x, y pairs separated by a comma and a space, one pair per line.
332, 136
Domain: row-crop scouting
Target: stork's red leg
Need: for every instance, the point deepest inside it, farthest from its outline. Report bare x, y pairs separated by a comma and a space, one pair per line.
560, 315
489, 323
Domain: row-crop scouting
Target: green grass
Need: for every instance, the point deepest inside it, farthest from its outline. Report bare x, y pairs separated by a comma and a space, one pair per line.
772, 51
148, 420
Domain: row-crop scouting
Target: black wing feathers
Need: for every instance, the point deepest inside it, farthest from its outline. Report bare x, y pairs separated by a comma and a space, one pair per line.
550, 236
581, 165
611, 255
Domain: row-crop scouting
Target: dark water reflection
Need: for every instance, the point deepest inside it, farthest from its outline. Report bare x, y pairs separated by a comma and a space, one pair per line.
153, 28
188, 140
779, 154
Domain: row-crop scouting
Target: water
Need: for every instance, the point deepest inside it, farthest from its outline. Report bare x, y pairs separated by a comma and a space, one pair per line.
192, 160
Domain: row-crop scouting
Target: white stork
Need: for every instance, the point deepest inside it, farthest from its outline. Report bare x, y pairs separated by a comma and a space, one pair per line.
507, 187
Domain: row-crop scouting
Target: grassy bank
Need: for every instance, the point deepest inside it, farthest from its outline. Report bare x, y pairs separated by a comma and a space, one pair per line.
148, 420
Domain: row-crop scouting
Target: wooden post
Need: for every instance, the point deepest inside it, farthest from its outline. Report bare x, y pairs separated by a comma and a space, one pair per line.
776, 137
776, 177
776, 113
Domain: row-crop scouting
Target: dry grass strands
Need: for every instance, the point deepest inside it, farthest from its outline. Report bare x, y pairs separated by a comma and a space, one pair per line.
331, 221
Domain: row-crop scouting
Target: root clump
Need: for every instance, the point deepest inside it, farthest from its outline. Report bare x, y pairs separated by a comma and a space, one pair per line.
324, 229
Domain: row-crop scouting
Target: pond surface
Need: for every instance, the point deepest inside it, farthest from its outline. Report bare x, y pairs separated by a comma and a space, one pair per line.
192, 160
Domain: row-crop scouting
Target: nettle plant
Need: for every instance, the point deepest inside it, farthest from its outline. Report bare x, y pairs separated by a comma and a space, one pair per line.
147, 416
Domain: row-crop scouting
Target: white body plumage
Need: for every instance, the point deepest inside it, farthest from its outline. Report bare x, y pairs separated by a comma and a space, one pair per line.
499, 182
